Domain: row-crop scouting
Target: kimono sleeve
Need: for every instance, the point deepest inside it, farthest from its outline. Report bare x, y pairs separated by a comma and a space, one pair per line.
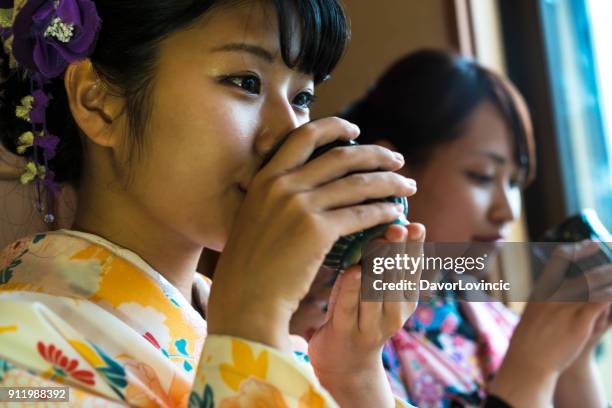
239, 373
235, 372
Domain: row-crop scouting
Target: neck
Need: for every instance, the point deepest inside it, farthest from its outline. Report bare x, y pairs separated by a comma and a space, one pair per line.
117, 218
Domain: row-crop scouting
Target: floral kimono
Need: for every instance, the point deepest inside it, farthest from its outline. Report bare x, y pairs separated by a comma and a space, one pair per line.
448, 351
78, 311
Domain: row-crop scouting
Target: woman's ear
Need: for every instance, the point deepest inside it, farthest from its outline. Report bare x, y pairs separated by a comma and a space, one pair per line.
93, 107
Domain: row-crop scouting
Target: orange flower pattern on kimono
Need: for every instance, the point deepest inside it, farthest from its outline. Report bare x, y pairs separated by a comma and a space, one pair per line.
82, 312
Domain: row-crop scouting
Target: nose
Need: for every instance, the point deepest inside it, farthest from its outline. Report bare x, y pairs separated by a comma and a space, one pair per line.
278, 120
506, 205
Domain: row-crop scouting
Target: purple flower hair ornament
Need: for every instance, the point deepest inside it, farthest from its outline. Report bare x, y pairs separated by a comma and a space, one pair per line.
33, 107
6, 18
44, 37
50, 34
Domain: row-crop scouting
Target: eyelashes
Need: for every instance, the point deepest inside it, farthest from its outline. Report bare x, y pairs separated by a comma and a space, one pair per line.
484, 179
304, 100
251, 84
479, 178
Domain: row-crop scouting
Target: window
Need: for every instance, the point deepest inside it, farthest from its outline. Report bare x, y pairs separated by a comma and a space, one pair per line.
577, 37
579, 57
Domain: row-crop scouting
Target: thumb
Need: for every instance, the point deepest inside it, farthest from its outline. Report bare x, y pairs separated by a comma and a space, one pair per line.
345, 307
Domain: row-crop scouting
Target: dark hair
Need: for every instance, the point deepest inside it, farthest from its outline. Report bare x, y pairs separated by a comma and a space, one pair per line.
424, 99
126, 53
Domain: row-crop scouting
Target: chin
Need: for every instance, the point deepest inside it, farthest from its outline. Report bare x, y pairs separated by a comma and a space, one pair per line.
215, 246
218, 241
214, 235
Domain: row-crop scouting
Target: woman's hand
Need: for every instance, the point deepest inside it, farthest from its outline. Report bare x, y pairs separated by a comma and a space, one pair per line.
311, 313
290, 218
346, 351
553, 332
580, 384
594, 284
549, 337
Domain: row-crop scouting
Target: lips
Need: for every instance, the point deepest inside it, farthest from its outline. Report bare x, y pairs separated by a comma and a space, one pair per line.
488, 238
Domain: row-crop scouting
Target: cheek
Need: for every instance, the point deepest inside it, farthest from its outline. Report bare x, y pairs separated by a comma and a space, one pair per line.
516, 203
450, 208
477, 198
192, 163
210, 123
209, 132
195, 151
210, 129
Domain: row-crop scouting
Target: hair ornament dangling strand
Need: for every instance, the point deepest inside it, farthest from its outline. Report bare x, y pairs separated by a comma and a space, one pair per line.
42, 37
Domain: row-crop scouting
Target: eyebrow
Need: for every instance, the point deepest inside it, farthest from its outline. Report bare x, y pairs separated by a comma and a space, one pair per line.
255, 50
497, 158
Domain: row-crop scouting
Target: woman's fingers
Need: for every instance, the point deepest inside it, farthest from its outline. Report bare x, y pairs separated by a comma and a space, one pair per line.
601, 295
603, 321
396, 311
592, 284
389, 314
371, 319
345, 313
554, 275
357, 188
599, 278
298, 147
360, 217
340, 161
396, 233
374, 321
588, 314
333, 298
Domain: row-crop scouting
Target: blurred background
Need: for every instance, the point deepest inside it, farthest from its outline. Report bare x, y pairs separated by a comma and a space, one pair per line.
558, 53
